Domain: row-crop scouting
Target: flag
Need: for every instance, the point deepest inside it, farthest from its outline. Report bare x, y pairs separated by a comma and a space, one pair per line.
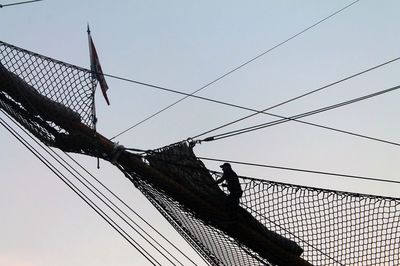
95, 67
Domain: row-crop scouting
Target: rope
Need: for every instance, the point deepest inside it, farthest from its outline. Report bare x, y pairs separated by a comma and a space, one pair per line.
254, 111
297, 117
92, 189
130, 208
144, 153
19, 3
300, 96
236, 68
78, 192
302, 170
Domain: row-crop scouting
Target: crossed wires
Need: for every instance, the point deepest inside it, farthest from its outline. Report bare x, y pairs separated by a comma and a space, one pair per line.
264, 111
283, 118
296, 118
255, 111
229, 72
61, 162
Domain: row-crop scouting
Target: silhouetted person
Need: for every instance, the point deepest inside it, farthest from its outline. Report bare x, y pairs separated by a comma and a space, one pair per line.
232, 183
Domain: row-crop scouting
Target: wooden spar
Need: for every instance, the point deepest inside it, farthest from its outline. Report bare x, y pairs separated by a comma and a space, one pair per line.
82, 139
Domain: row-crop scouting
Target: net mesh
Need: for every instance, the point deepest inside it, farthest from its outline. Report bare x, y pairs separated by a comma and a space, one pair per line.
214, 245
28, 79
332, 227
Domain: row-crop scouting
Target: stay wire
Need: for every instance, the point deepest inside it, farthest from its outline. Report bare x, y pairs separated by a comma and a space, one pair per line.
64, 162
254, 111
300, 96
127, 217
375, 179
188, 237
78, 192
127, 206
297, 117
19, 3
237, 68
252, 164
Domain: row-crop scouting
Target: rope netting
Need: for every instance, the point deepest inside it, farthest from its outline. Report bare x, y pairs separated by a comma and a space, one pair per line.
333, 227
53, 99
44, 94
214, 245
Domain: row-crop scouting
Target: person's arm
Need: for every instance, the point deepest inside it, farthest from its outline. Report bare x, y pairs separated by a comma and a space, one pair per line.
218, 181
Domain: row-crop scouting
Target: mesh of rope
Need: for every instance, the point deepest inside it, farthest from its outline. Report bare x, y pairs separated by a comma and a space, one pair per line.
333, 227
211, 243
28, 79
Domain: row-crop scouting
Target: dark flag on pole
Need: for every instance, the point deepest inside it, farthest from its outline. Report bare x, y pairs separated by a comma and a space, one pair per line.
95, 67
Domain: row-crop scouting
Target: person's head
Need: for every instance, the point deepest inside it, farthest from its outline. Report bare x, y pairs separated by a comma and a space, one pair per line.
225, 166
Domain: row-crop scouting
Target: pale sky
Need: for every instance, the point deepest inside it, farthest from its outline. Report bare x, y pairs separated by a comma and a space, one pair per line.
183, 45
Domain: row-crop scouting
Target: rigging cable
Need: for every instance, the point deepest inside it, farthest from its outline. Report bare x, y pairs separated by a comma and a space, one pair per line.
301, 96
63, 163
235, 69
19, 3
301, 170
254, 111
127, 206
78, 192
369, 178
297, 117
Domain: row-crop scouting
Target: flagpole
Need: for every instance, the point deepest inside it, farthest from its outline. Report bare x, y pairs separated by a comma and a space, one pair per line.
94, 84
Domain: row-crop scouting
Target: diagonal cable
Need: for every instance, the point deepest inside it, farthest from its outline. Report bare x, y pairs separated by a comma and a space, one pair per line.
254, 111
19, 3
237, 68
130, 208
309, 171
68, 167
301, 96
297, 117
260, 165
77, 191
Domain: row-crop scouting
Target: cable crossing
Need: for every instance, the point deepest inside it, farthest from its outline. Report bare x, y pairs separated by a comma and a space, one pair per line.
78, 192
302, 95
256, 112
104, 199
130, 208
234, 69
268, 211
296, 118
145, 153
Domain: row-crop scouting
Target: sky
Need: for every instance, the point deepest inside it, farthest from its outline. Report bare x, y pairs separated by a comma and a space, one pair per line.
183, 45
